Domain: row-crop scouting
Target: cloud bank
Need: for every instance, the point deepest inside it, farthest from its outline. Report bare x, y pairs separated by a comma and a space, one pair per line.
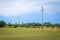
19, 7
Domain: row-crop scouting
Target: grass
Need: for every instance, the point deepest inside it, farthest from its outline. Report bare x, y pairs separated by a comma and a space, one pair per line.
28, 34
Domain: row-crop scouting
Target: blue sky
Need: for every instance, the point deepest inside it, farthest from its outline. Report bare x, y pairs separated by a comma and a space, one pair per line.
29, 11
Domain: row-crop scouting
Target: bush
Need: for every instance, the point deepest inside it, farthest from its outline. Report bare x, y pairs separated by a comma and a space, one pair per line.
15, 26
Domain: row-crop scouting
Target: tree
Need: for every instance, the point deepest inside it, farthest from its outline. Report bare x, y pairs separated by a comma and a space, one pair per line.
47, 24
9, 24
57, 25
16, 25
2, 23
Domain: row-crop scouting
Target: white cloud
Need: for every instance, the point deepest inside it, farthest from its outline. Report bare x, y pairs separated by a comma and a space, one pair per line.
16, 7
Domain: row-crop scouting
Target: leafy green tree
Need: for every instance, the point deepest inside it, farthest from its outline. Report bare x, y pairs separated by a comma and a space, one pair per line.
47, 24
2, 23
15, 25
57, 25
52, 25
9, 24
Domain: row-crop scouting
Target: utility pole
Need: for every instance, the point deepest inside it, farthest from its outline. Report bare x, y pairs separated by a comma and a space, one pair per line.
42, 15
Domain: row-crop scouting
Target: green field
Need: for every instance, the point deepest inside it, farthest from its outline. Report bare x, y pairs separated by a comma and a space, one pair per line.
28, 34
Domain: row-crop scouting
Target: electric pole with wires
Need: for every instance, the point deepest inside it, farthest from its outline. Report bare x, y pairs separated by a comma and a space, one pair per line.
42, 17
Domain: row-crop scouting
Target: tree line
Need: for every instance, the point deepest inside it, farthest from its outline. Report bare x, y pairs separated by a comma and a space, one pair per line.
33, 25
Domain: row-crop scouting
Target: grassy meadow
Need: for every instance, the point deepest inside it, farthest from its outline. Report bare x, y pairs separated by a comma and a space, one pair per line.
29, 34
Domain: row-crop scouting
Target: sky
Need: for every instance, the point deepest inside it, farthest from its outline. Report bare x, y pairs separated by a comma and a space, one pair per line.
26, 11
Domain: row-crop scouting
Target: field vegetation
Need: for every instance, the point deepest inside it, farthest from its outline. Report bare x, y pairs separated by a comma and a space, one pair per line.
29, 31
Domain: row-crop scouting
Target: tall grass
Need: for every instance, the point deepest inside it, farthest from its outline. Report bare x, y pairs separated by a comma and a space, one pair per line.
22, 33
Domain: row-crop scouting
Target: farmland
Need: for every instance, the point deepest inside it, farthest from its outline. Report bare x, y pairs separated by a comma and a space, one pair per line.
29, 34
